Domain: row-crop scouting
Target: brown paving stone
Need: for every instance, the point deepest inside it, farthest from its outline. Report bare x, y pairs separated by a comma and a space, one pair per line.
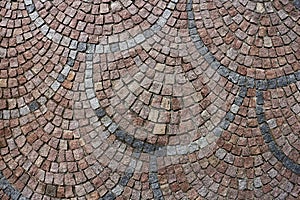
161, 91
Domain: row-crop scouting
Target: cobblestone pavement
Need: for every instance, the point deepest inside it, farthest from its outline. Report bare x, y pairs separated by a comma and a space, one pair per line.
148, 99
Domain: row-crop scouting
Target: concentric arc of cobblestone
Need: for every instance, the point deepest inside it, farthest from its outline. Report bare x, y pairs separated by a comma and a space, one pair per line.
98, 48
42, 100
143, 146
259, 85
206, 167
231, 75
138, 145
266, 132
111, 126
9, 189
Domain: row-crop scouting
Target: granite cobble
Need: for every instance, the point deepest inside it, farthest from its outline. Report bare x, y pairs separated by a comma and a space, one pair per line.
149, 99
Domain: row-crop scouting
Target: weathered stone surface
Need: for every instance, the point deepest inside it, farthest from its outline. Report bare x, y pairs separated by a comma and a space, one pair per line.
149, 99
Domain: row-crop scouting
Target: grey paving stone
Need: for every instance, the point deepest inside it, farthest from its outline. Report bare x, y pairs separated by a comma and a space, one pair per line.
30, 7
81, 47
91, 48
115, 47
2, 52
33, 106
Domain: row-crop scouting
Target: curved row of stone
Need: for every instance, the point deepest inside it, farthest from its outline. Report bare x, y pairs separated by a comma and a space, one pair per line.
92, 21
77, 154
269, 138
29, 64
120, 46
235, 77
41, 100
214, 176
260, 44
239, 165
158, 153
138, 145
194, 151
260, 85
110, 45
231, 75
10, 190
148, 147
51, 191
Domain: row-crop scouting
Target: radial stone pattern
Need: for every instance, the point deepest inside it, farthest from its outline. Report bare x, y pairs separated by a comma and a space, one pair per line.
149, 99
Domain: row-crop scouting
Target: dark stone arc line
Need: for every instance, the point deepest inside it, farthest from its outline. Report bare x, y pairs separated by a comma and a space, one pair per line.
153, 150
9, 190
234, 77
138, 146
159, 150
268, 138
259, 85
153, 179
146, 147
124, 137
141, 146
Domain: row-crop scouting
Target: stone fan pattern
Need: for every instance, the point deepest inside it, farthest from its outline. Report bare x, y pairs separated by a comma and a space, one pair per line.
149, 99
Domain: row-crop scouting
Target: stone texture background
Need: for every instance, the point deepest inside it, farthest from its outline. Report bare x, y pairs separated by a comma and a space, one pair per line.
175, 99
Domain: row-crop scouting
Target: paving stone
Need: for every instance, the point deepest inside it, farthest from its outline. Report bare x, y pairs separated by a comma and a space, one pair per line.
33, 106
220, 153
160, 129
114, 47
81, 47
242, 184
3, 83
257, 182
149, 99
61, 78
100, 112
297, 4
2, 52
116, 6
